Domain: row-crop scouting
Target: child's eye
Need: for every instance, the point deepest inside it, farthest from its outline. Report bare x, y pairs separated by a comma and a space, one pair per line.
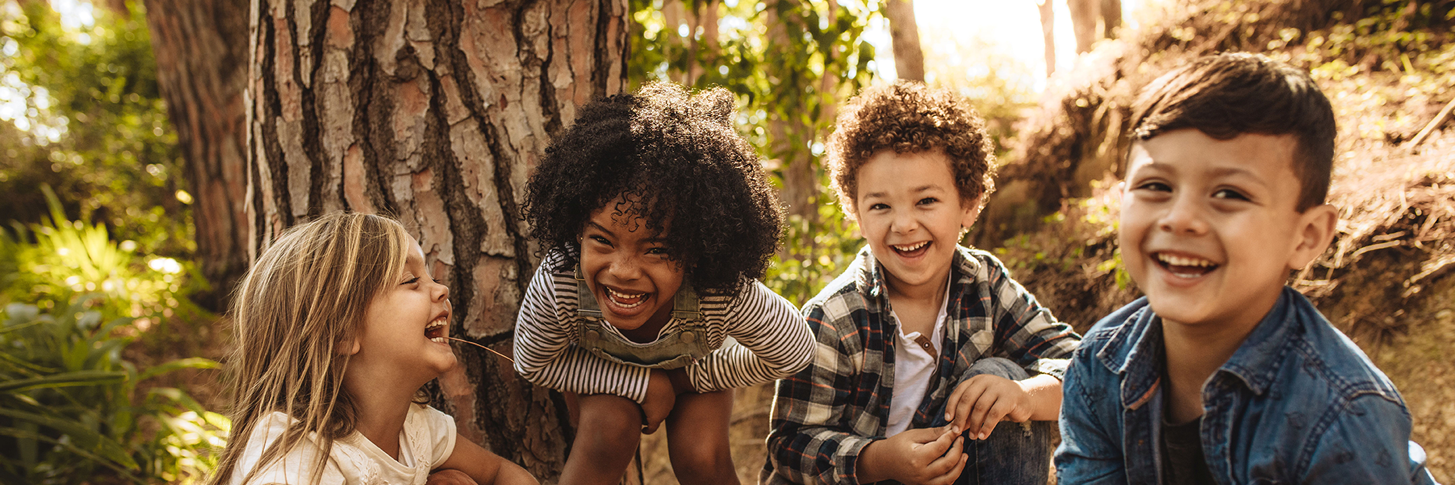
928, 201
1229, 194
1155, 186
411, 281
599, 240
657, 251
880, 206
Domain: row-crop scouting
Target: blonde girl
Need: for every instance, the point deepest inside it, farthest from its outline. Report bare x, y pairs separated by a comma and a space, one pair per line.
338, 325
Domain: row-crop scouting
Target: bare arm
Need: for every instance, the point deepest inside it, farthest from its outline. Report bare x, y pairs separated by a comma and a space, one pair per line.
484, 467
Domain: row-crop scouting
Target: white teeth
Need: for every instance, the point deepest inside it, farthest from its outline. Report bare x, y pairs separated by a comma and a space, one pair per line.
911, 247
437, 323
1181, 261
617, 296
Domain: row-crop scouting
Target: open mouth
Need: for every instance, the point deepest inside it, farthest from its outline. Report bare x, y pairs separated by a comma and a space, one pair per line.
438, 331
911, 250
625, 300
1184, 267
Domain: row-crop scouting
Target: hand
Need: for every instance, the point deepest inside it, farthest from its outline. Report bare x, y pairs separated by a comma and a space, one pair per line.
928, 456
981, 402
450, 477
661, 398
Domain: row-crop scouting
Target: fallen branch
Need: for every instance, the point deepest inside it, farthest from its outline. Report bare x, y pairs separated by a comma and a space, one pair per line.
1435, 123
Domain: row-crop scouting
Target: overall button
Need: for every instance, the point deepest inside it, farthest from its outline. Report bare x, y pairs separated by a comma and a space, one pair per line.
688, 337
592, 335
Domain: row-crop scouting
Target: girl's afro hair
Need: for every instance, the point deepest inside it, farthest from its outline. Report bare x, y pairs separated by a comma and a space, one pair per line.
691, 173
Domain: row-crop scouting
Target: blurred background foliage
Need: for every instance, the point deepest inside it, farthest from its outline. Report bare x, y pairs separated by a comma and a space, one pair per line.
97, 249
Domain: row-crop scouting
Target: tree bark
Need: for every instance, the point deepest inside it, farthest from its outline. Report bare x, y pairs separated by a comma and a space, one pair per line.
201, 52
1111, 18
1083, 22
1048, 32
434, 112
909, 59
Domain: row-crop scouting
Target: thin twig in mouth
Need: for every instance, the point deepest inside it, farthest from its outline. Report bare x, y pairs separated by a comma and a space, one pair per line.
512, 361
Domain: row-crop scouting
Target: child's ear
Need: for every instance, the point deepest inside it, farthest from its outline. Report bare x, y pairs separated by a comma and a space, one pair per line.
349, 347
1315, 231
971, 212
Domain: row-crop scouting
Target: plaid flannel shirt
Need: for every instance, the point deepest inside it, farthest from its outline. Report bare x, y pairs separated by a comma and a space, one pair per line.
824, 415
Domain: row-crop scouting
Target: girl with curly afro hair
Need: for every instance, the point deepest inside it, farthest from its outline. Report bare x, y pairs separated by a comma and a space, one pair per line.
656, 220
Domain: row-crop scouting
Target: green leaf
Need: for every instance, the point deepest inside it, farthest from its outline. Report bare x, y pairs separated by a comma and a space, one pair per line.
82, 436
65, 379
188, 363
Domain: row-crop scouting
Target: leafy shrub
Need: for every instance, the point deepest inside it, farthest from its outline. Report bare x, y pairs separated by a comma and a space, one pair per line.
72, 407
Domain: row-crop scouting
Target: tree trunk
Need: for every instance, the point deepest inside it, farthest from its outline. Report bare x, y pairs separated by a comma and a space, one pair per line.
1111, 18
201, 50
434, 112
1048, 32
909, 59
1083, 22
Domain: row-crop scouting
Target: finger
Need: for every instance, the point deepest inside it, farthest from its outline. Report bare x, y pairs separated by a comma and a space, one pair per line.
940, 444
981, 411
992, 419
946, 462
954, 400
954, 474
974, 390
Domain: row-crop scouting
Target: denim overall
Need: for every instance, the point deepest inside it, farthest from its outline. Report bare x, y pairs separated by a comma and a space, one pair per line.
676, 347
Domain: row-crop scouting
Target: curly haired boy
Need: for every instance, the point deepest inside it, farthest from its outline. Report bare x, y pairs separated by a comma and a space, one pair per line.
656, 218
932, 365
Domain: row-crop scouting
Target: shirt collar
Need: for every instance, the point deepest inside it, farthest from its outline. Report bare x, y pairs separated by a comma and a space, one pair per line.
1135, 348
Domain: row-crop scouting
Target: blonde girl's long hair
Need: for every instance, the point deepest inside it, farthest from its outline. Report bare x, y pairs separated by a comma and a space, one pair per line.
295, 314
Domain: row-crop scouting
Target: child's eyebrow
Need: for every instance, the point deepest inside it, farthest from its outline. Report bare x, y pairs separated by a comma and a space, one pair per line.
599, 227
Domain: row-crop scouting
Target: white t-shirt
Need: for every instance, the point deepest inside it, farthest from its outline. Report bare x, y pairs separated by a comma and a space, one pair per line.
427, 440
913, 367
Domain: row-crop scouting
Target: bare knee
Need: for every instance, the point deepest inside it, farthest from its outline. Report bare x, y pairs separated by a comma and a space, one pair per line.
609, 425
707, 461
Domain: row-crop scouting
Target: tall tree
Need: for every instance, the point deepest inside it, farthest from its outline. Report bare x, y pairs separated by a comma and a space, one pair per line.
201, 53
1084, 14
433, 111
909, 58
1048, 32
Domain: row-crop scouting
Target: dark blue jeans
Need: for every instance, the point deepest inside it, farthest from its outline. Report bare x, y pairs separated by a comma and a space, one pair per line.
1014, 453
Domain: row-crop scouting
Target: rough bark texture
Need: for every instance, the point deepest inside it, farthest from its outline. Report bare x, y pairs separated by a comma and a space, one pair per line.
433, 111
201, 50
909, 59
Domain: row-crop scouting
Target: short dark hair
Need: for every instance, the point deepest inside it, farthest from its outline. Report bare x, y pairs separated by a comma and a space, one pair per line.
908, 117
1231, 94
679, 154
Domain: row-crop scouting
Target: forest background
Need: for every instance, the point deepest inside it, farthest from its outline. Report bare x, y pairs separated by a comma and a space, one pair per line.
149, 148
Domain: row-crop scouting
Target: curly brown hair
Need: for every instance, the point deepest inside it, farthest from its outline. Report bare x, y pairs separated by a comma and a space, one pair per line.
705, 190
908, 117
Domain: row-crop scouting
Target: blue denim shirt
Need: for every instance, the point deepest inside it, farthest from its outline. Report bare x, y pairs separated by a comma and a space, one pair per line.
1298, 402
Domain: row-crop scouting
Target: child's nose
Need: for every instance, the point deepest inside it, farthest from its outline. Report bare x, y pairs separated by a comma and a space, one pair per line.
903, 222
1184, 217
626, 268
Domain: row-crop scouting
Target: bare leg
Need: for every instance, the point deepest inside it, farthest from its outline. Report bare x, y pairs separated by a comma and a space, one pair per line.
606, 440
697, 438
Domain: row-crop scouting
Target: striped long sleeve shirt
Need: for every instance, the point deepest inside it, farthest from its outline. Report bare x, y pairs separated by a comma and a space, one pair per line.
824, 415
771, 340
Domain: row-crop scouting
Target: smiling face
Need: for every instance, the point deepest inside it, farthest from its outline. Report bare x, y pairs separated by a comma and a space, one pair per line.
406, 327
627, 268
1210, 230
909, 209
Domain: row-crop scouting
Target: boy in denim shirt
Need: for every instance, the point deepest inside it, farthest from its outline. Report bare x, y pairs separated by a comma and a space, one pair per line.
1222, 374
932, 365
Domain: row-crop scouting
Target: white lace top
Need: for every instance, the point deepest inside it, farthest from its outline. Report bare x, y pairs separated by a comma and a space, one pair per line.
427, 440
